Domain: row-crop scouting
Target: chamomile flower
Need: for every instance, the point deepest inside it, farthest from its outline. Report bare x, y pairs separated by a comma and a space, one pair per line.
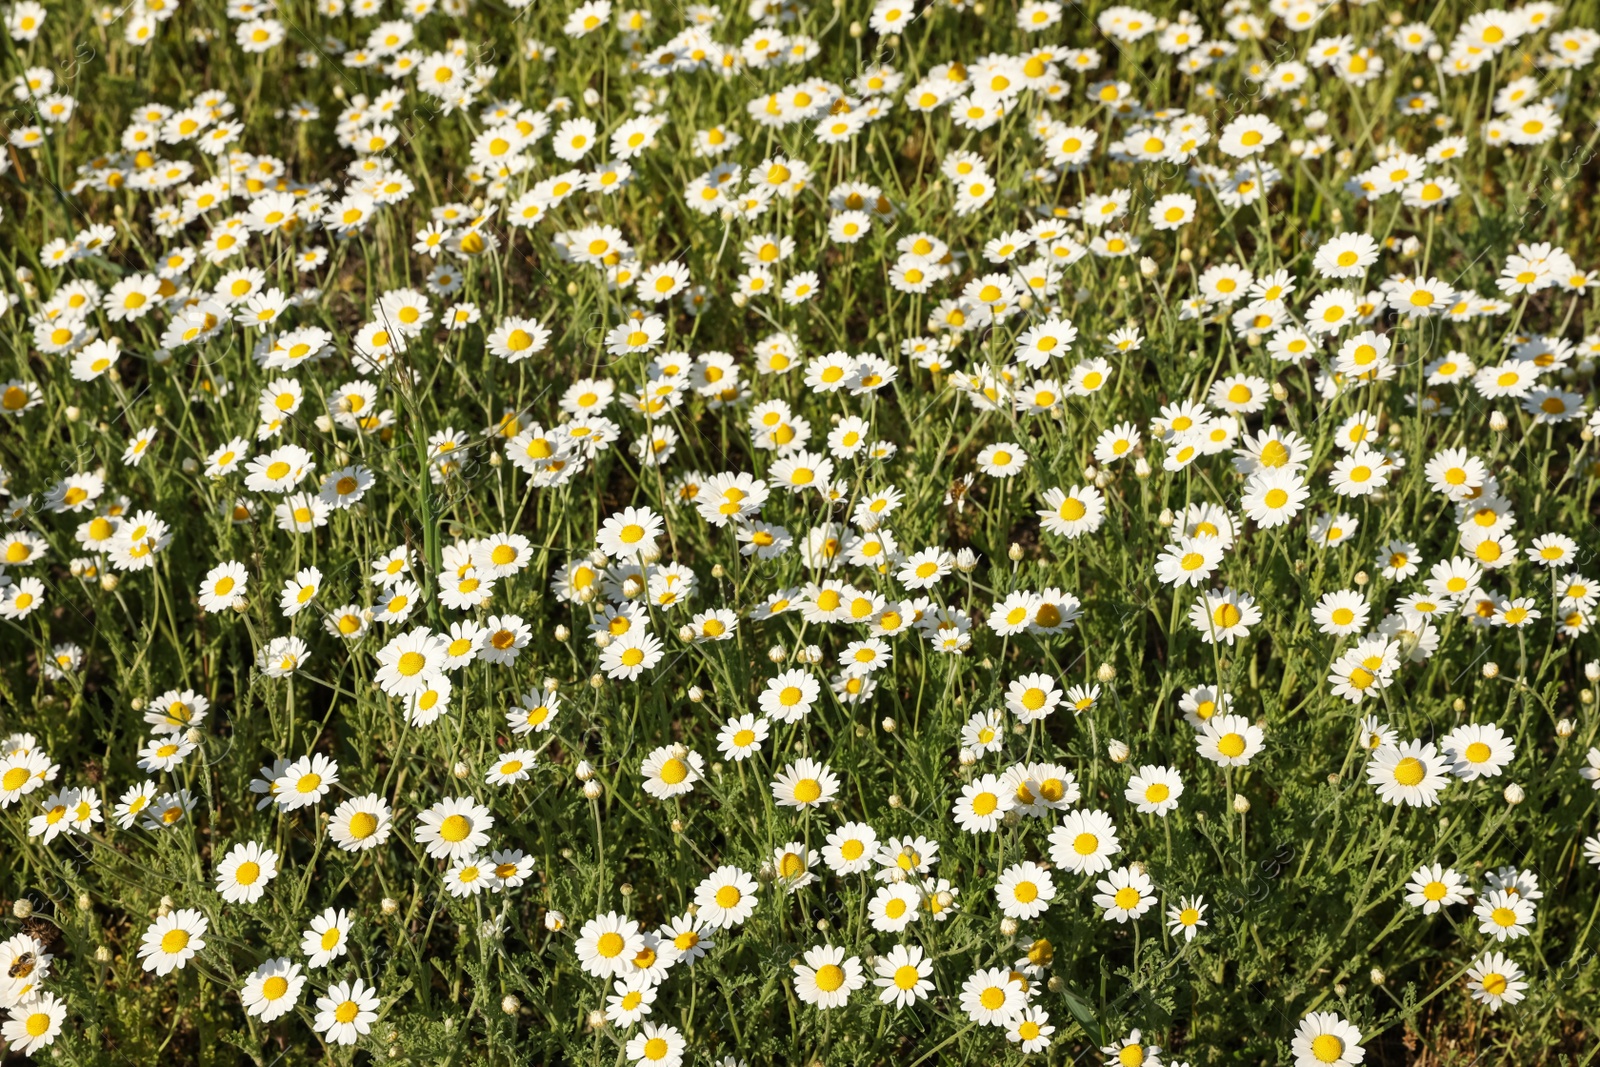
1323, 1039
1084, 842
903, 976
245, 872
1435, 886
726, 898
826, 977
272, 990
1411, 773
172, 940
1495, 980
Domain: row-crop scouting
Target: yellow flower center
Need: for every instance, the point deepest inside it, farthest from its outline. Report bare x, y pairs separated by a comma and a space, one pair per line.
1410, 771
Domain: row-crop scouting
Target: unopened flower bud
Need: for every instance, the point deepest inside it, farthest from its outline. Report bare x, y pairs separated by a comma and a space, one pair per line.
1105, 674
510, 1005
554, 921
1118, 751
22, 908
1497, 422
592, 790
888, 724
1008, 927
1241, 803
1491, 670
461, 770
1014, 553
1514, 794
967, 757
1564, 728
561, 632
696, 694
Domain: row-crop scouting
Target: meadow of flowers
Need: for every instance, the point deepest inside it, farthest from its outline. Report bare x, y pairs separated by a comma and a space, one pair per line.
799, 533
